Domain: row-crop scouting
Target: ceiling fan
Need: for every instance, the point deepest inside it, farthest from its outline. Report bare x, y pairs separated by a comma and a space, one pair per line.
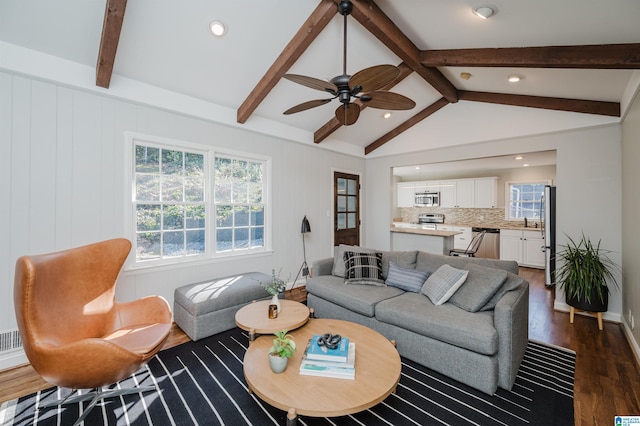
363, 85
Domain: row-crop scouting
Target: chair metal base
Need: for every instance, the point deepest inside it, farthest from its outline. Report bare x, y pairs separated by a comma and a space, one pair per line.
95, 396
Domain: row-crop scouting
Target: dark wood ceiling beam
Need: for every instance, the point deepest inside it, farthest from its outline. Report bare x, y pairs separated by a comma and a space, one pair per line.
431, 109
559, 104
332, 125
384, 29
603, 56
111, 27
307, 33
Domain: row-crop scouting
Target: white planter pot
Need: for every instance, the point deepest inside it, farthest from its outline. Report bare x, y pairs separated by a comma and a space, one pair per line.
278, 363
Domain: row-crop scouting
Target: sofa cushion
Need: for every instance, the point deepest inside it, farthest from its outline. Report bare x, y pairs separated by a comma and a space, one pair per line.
404, 259
447, 323
441, 285
363, 268
431, 262
512, 282
338, 257
481, 284
357, 298
405, 278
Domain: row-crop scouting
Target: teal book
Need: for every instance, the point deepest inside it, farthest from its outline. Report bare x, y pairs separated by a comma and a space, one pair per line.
322, 353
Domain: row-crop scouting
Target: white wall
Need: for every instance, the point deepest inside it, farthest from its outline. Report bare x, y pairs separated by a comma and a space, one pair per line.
631, 222
588, 164
62, 183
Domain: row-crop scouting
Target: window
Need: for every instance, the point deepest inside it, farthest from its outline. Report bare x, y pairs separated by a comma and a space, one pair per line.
239, 204
524, 200
191, 203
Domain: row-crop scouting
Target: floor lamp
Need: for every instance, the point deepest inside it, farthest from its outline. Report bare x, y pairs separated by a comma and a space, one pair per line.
304, 268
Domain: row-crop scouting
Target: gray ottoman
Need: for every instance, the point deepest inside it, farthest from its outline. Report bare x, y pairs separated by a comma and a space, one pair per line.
206, 308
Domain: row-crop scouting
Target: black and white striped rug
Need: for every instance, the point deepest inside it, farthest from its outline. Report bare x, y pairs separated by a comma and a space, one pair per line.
202, 383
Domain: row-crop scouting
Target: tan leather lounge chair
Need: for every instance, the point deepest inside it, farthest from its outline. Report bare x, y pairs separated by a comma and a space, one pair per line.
74, 333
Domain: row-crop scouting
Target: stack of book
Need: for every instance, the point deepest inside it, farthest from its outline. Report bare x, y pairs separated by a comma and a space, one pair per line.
338, 363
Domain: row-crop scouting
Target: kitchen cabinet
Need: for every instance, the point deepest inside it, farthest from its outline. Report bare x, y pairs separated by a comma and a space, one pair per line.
465, 193
522, 246
460, 241
486, 193
447, 194
406, 194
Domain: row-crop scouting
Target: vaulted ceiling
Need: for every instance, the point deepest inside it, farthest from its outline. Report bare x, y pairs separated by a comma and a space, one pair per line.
576, 59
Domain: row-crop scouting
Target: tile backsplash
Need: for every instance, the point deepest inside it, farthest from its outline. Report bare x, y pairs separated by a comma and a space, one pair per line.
468, 217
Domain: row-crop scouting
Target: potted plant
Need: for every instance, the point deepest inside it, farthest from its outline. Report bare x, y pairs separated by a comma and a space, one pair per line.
275, 287
283, 348
584, 273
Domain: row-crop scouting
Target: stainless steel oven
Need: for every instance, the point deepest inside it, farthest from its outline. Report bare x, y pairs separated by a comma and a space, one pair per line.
427, 199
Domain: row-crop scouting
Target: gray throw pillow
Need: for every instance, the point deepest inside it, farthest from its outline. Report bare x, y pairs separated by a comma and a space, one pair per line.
481, 284
406, 279
513, 282
363, 268
441, 285
338, 257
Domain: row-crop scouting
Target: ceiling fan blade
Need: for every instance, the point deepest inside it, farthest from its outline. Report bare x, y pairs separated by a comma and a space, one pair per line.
306, 105
373, 78
387, 100
314, 83
348, 114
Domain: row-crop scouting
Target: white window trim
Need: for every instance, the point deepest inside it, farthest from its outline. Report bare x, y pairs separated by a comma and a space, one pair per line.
210, 153
507, 194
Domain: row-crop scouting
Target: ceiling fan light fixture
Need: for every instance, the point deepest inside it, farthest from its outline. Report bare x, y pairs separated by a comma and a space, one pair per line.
514, 78
485, 11
386, 115
217, 28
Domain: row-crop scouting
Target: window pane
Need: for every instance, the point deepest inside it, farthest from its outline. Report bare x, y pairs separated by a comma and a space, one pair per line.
173, 244
241, 216
342, 203
223, 192
239, 192
351, 220
194, 189
173, 217
257, 237
172, 188
195, 242
193, 164
254, 192
241, 238
351, 204
224, 216
147, 187
148, 217
351, 187
172, 162
342, 220
147, 159
257, 216
195, 217
342, 186
148, 245
224, 240
222, 170
239, 170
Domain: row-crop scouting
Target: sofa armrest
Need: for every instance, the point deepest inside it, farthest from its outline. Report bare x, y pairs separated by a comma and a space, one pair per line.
323, 267
511, 319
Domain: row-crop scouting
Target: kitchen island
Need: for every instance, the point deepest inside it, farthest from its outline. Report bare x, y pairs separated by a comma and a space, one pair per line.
415, 237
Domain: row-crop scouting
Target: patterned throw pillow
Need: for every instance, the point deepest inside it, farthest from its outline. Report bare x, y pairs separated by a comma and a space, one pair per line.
441, 285
406, 279
363, 268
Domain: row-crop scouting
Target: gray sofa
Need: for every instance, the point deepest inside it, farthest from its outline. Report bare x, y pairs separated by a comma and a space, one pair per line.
482, 348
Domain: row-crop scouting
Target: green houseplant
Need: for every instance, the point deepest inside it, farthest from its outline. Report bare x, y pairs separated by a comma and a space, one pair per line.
283, 348
584, 273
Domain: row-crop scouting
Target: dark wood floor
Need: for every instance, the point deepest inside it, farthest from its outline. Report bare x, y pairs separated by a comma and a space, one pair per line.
607, 376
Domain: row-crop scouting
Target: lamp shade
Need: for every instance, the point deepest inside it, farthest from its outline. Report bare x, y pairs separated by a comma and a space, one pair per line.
305, 226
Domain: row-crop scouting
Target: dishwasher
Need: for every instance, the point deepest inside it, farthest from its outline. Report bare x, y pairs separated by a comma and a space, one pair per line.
490, 246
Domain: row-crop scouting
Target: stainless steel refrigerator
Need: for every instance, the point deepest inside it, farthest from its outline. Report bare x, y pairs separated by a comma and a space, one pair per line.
548, 219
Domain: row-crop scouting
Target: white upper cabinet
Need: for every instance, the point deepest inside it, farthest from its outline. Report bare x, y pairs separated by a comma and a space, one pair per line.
486, 193
465, 193
406, 194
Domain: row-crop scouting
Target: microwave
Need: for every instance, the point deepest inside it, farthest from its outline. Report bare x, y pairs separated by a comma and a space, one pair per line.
427, 199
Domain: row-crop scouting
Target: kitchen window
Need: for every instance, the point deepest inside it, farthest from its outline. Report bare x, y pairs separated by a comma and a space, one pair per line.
524, 200
190, 202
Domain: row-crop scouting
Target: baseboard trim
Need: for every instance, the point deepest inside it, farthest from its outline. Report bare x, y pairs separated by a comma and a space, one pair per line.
13, 359
606, 316
635, 348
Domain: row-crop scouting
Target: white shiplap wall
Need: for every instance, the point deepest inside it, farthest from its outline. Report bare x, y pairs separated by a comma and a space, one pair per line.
62, 183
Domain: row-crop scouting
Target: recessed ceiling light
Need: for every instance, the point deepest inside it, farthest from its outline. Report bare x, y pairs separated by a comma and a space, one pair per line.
519, 157
386, 115
417, 167
217, 28
515, 78
525, 165
465, 75
485, 11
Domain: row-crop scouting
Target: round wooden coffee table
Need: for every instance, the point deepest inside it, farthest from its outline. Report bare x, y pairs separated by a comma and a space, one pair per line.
254, 317
377, 373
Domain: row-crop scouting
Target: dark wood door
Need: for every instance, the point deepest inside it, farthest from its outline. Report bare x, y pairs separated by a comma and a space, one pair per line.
346, 214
